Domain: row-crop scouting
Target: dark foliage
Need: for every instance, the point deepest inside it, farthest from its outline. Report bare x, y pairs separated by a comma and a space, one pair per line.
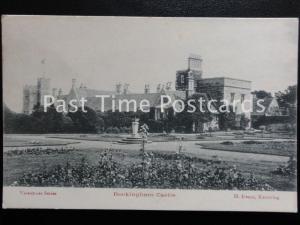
156, 170
261, 94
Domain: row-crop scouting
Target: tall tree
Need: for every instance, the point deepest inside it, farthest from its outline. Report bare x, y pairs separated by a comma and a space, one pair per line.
261, 94
194, 119
288, 97
288, 101
227, 120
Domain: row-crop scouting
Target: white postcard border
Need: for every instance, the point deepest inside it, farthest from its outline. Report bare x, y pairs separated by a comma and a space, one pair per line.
149, 199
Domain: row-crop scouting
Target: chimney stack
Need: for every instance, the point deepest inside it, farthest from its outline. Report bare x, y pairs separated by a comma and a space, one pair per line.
54, 92
60, 92
118, 88
194, 62
147, 88
158, 88
73, 83
168, 86
125, 90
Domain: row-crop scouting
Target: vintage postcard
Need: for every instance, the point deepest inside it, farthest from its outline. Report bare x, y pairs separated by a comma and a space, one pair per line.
150, 113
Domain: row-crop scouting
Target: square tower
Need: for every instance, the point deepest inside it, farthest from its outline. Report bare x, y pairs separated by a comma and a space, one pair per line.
195, 63
29, 98
43, 88
185, 79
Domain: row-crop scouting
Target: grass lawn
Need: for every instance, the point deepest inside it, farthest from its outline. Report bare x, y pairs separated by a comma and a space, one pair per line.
285, 148
158, 137
18, 141
118, 137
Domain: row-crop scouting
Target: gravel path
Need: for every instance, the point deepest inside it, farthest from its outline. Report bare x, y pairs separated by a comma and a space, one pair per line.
189, 146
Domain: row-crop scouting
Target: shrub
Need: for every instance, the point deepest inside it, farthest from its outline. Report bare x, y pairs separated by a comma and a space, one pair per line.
288, 170
251, 142
153, 171
180, 129
227, 143
40, 151
122, 129
115, 130
200, 137
155, 126
128, 130
109, 130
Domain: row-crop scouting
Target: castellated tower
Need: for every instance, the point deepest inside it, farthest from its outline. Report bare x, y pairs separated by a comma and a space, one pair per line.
195, 64
186, 80
29, 98
43, 88
34, 94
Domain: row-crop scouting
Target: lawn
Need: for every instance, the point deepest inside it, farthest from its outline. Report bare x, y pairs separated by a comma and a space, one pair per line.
285, 148
23, 141
110, 137
16, 165
159, 137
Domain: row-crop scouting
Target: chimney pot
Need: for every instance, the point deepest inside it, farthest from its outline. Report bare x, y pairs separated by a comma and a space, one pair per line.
118, 88
126, 89
147, 88
54, 92
73, 83
60, 92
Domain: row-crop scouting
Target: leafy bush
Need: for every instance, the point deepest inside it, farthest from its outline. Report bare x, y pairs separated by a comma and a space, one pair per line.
200, 137
39, 151
115, 130
155, 126
122, 130
287, 170
227, 143
180, 129
251, 142
109, 130
126, 130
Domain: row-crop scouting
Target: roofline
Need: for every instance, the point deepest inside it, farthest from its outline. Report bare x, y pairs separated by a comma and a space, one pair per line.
230, 78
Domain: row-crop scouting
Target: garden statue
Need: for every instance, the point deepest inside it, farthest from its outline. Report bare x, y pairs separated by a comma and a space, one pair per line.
135, 127
138, 135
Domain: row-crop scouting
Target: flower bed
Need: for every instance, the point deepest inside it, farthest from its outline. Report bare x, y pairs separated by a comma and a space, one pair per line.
284, 148
39, 151
155, 170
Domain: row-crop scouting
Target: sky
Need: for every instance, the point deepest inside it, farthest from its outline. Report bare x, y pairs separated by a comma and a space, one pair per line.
102, 51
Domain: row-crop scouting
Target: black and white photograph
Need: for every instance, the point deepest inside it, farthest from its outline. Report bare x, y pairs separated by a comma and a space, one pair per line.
150, 113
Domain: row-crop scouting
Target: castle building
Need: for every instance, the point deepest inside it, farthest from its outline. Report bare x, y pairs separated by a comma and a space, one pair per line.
230, 89
235, 91
188, 82
29, 98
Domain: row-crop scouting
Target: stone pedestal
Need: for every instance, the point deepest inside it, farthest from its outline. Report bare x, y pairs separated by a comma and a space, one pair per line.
135, 129
135, 137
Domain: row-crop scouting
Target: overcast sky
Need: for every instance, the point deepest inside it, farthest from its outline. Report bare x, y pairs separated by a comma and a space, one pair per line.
101, 51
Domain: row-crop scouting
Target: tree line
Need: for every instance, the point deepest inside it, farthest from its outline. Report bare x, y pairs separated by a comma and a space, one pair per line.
93, 121
115, 122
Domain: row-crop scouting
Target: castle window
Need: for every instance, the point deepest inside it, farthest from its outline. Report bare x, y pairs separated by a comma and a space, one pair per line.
182, 79
231, 97
242, 98
165, 100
